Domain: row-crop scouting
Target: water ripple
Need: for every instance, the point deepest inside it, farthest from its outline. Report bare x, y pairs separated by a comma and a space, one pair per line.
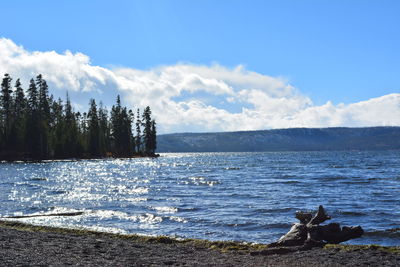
232, 196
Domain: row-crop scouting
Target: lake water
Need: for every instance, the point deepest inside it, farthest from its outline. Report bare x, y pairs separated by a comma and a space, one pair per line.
218, 196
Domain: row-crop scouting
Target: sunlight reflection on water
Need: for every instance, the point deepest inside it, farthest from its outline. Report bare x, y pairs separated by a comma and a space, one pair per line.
239, 196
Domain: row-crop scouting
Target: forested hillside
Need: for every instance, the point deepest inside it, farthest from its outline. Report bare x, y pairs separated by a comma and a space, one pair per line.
296, 139
35, 126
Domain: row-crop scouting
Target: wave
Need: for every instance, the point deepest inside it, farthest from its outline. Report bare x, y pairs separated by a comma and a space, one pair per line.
279, 226
199, 180
357, 181
253, 225
347, 180
27, 184
243, 195
290, 182
352, 213
276, 210
165, 209
177, 219
57, 192
146, 218
333, 178
38, 179
232, 168
387, 233
189, 209
337, 166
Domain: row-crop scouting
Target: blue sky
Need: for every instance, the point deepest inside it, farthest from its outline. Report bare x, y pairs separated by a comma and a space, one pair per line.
338, 51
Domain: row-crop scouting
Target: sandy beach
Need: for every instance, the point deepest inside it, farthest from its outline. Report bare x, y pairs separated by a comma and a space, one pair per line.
26, 245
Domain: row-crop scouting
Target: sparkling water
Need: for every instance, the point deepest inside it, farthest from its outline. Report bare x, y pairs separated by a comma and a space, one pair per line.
249, 197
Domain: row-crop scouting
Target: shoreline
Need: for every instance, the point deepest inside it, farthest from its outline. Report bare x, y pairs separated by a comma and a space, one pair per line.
42, 245
156, 155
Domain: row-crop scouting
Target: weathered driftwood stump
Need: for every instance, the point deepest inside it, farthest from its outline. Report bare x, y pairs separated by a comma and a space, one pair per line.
310, 233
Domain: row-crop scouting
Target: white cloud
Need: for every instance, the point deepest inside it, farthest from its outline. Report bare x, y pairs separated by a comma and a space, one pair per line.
186, 97
66, 71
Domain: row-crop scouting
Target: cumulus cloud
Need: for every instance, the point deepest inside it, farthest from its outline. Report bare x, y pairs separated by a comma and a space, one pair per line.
63, 72
186, 97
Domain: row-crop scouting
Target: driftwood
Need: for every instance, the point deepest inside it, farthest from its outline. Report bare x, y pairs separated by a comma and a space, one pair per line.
309, 233
45, 215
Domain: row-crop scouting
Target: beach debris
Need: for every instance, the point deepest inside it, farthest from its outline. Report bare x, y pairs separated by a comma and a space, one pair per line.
308, 233
77, 213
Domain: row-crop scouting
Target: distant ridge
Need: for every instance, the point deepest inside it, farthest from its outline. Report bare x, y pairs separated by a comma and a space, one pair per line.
294, 139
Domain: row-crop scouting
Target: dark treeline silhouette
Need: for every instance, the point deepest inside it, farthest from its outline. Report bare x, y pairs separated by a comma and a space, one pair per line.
35, 126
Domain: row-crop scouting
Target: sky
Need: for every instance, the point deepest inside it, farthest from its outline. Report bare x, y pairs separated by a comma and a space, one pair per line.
223, 65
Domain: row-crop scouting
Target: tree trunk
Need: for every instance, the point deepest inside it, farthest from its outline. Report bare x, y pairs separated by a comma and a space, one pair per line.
310, 233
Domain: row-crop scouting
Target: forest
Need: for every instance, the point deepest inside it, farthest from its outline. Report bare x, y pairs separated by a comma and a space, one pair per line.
35, 126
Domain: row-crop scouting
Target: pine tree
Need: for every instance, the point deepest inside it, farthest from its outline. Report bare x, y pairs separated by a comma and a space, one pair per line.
6, 111
104, 130
19, 115
44, 116
32, 97
80, 144
153, 137
138, 138
147, 139
93, 129
84, 131
116, 128
126, 133
71, 131
57, 129
131, 116
32, 134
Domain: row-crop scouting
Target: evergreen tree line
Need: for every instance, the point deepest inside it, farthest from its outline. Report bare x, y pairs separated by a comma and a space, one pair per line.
35, 126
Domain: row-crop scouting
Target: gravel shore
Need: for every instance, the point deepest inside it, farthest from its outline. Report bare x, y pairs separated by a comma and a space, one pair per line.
25, 245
